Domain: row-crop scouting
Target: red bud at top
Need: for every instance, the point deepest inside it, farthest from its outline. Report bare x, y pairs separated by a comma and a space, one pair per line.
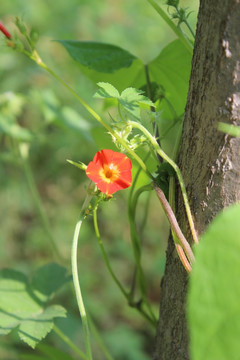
4, 31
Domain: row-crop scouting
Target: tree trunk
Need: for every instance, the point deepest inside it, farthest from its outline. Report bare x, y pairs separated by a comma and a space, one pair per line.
208, 159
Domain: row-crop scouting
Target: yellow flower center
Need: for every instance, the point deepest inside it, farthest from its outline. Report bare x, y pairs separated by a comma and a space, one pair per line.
109, 173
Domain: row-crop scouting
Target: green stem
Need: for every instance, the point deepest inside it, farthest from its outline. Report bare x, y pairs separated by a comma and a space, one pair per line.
176, 30
174, 224
99, 340
35, 57
105, 257
76, 279
69, 343
137, 248
137, 306
179, 248
155, 145
189, 28
130, 218
23, 150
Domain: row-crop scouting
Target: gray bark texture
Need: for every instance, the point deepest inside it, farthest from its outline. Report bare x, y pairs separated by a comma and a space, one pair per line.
209, 160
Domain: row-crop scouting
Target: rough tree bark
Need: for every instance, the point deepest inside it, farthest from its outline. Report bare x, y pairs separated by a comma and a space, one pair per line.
209, 160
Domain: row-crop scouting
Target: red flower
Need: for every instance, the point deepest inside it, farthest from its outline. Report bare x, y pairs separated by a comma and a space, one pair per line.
110, 171
4, 31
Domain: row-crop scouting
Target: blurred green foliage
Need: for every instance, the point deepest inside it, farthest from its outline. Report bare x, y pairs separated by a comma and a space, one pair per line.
49, 118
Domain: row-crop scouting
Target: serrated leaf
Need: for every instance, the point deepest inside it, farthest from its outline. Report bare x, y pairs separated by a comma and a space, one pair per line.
48, 279
132, 95
131, 99
106, 91
101, 57
33, 330
214, 293
24, 306
7, 323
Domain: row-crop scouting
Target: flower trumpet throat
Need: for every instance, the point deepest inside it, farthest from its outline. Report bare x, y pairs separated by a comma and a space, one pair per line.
110, 171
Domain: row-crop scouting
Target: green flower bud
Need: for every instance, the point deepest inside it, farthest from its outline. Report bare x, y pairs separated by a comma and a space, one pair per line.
21, 26
173, 3
34, 36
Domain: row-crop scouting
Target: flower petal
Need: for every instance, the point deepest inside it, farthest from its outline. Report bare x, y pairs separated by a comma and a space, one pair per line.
110, 170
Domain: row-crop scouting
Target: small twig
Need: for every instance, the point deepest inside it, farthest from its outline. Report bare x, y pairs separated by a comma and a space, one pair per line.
174, 224
183, 258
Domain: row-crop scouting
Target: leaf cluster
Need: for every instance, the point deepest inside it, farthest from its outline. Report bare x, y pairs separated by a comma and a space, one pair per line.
25, 304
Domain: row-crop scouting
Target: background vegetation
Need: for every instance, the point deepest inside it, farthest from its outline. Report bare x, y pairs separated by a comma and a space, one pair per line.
41, 105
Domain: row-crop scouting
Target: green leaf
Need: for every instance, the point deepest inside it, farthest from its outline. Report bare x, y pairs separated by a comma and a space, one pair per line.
23, 305
48, 279
131, 99
101, 57
171, 69
132, 95
229, 129
106, 91
33, 330
214, 293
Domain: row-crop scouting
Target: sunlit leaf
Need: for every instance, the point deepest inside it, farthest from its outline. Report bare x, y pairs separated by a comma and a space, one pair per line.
24, 305
213, 301
131, 99
35, 328
171, 69
106, 91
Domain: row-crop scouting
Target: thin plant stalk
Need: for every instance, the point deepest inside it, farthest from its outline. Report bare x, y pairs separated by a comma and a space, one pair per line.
35, 57
155, 145
95, 333
66, 339
176, 30
105, 257
174, 224
137, 306
179, 248
23, 150
137, 247
76, 279
189, 28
